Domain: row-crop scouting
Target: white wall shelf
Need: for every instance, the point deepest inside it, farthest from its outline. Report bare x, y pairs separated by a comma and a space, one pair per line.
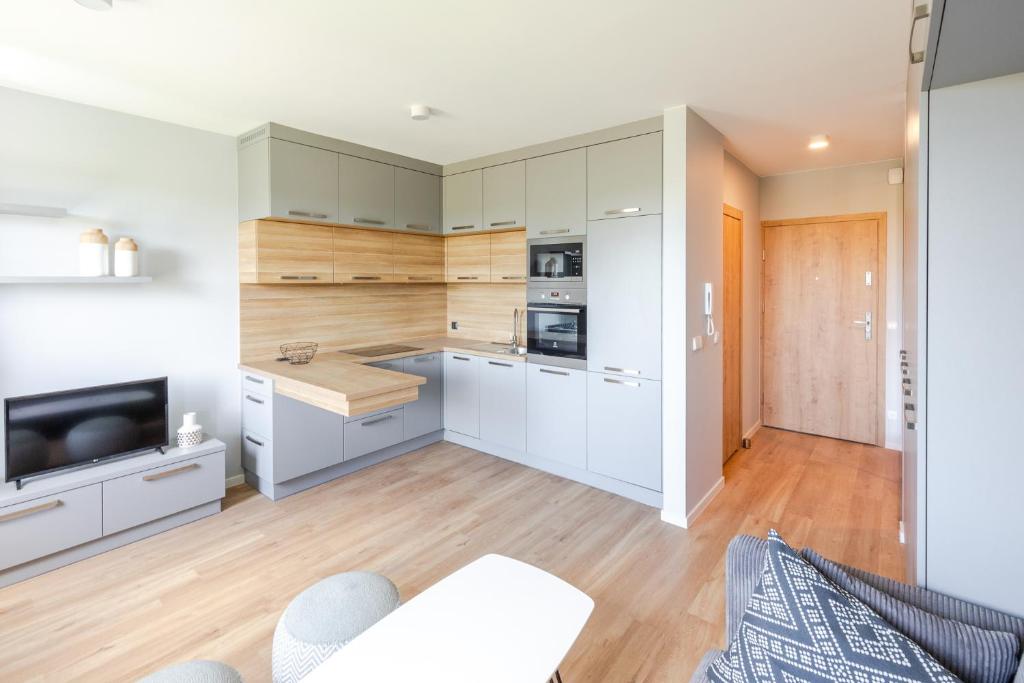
30, 210
71, 280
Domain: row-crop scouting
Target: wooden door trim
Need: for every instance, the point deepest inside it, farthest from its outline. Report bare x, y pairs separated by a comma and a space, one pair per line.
733, 212
737, 214
881, 326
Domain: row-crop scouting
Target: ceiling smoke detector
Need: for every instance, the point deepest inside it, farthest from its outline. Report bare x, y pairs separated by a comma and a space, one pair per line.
419, 112
96, 4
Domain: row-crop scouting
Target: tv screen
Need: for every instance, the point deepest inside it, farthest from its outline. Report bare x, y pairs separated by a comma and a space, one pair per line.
50, 432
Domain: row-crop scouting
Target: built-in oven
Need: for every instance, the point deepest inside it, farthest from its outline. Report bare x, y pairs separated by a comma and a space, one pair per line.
557, 259
556, 327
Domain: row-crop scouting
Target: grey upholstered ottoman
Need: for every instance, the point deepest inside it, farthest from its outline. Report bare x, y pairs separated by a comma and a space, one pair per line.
326, 616
198, 671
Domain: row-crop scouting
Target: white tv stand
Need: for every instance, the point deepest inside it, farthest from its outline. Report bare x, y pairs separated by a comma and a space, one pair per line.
54, 521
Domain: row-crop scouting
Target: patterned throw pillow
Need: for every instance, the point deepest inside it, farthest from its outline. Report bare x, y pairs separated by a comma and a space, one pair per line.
799, 626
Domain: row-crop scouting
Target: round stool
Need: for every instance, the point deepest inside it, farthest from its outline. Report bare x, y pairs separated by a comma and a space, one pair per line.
323, 618
198, 671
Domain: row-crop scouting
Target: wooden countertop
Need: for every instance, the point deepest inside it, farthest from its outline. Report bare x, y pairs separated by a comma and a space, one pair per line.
343, 383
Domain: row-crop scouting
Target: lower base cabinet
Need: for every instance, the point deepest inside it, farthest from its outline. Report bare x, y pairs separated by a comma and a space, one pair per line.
624, 429
374, 432
462, 393
503, 403
426, 414
556, 414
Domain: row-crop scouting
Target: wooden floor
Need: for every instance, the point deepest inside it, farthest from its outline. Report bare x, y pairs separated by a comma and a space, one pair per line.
215, 588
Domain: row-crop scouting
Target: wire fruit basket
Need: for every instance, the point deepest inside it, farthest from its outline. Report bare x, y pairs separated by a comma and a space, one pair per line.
299, 353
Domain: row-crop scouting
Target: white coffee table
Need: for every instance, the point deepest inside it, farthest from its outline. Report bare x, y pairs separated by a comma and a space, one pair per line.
496, 619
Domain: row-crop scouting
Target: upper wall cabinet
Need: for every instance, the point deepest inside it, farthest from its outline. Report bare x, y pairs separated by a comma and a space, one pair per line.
624, 177
556, 194
504, 195
363, 255
287, 180
463, 202
417, 201
292, 253
367, 193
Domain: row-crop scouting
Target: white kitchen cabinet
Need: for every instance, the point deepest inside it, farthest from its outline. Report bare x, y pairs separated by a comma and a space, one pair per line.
503, 403
425, 414
288, 180
624, 177
556, 194
556, 414
367, 193
624, 429
504, 196
462, 394
624, 296
463, 202
417, 201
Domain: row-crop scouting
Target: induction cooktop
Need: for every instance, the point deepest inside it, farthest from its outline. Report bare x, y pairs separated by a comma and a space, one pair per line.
382, 350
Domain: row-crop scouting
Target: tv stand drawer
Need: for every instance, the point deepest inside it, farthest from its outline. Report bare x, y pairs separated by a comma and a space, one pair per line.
41, 527
156, 493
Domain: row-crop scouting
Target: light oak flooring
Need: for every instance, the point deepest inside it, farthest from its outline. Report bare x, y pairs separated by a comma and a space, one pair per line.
215, 588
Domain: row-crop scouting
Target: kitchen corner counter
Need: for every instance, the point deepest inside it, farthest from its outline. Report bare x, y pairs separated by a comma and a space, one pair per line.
436, 345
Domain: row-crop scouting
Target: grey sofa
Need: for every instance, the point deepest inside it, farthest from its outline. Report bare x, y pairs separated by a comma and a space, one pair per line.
745, 561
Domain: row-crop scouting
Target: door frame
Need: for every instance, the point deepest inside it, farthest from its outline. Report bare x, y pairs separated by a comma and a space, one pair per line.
733, 212
882, 326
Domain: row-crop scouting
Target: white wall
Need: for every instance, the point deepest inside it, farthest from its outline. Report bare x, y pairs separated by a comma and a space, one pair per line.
741, 189
172, 189
854, 189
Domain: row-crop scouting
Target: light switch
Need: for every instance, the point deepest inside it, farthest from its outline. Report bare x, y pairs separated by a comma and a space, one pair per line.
698, 343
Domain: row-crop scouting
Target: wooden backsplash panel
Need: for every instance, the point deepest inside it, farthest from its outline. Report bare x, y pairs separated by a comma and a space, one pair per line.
484, 311
337, 317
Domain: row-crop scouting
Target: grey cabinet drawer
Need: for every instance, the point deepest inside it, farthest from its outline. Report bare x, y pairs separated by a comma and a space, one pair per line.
152, 494
257, 413
48, 525
425, 415
556, 194
504, 195
624, 177
556, 414
258, 456
373, 433
303, 182
417, 201
257, 384
463, 202
367, 193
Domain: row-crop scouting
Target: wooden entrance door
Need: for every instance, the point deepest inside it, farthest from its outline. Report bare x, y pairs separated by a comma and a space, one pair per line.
732, 340
824, 326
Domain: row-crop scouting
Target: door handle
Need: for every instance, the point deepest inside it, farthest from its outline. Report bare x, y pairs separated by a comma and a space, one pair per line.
10, 516
555, 232
369, 221
307, 214
170, 473
866, 324
497, 224
619, 212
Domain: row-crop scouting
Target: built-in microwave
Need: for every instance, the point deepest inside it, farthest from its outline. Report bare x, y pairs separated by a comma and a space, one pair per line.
557, 259
556, 327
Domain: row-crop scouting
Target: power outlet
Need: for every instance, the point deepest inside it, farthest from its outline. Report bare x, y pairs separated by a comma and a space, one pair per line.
455, 324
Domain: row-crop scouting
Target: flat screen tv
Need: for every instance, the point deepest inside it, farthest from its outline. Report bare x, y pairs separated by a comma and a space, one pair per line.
47, 433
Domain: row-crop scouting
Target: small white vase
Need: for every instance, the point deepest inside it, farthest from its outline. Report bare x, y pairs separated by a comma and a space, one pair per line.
126, 258
189, 433
93, 253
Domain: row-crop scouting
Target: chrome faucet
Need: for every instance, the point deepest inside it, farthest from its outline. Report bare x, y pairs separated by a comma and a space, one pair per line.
515, 327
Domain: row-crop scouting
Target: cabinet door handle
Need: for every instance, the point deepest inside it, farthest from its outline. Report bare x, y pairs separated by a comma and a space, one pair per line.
560, 231
542, 309
367, 423
307, 214
252, 440
366, 277
513, 277
369, 221
421, 277
423, 359
11, 516
417, 226
460, 358
298, 277
619, 212
554, 372
250, 378
467, 277
622, 382
171, 473
254, 400
500, 365
463, 227
624, 371
500, 223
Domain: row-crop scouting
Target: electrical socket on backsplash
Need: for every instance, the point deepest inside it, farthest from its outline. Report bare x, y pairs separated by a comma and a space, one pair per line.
455, 324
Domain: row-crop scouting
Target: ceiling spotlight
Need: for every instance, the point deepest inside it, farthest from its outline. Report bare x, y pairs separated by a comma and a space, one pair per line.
96, 4
818, 142
419, 112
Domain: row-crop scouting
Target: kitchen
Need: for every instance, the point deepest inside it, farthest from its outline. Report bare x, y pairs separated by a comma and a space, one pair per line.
510, 304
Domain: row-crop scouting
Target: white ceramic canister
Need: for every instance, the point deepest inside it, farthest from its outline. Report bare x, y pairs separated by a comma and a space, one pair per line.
93, 253
189, 433
126, 258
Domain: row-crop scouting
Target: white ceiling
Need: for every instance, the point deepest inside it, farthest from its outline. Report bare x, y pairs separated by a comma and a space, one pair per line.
768, 74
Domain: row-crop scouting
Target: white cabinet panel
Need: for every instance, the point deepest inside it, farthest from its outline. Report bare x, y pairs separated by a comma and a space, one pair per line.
425, 414
463, 202
556, 194
556, 414
624, 296
462, 394
624, 177
624, 429
504, 195
503, 403
43, 526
